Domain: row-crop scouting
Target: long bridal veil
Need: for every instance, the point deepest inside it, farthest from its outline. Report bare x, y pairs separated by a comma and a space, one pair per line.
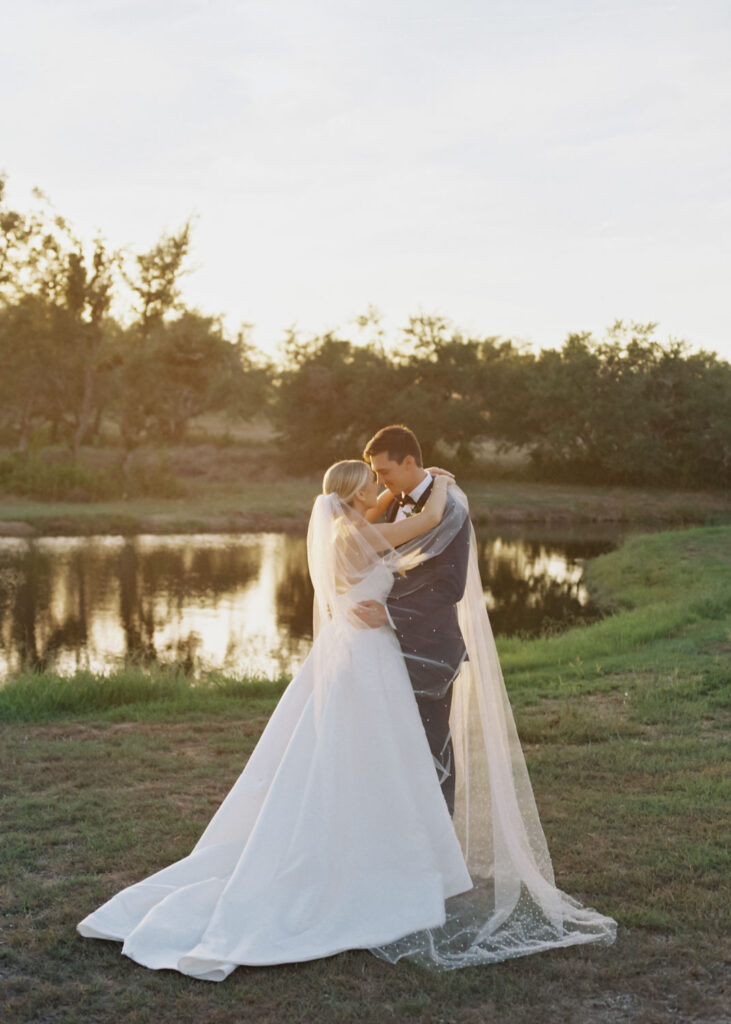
514, 907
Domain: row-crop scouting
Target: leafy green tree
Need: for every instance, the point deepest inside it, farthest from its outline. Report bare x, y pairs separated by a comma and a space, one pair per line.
327, 398
83, 333
624, 410
154, 279
503, 381
27, 356
43, 266
437, 377
32, 249
333, 394
194, 369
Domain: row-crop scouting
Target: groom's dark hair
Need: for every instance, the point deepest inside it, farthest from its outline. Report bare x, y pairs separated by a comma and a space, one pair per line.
397, 441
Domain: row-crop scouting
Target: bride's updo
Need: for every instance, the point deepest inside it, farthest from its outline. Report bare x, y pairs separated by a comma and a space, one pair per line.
345, 478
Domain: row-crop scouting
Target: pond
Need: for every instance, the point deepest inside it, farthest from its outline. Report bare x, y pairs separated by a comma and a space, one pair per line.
239, 603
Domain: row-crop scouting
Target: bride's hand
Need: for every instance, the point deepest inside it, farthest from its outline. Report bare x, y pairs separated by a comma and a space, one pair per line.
437, 471
371, 613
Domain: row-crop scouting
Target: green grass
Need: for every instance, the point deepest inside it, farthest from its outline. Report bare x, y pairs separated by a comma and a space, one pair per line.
530, 501
218, 507
625, 728
129, 691
245, 502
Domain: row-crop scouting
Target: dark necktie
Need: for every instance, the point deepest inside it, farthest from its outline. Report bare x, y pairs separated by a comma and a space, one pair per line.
405, 499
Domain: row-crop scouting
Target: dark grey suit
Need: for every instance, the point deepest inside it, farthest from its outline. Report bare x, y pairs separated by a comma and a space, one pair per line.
423, 610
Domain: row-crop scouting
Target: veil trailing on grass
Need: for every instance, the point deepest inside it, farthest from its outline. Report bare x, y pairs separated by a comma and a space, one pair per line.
514, 907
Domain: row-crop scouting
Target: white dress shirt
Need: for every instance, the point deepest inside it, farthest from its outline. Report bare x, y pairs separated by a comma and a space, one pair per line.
415, 494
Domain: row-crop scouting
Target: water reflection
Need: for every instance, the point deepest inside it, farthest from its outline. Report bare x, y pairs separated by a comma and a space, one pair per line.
535, 586
238, 603
294, 593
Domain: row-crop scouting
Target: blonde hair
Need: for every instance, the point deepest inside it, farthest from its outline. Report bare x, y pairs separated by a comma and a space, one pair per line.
345, 478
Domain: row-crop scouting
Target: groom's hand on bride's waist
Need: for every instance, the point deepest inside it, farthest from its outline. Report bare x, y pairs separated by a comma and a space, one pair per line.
371, 613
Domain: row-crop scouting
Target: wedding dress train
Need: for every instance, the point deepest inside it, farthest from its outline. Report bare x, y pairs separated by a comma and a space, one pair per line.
335, 836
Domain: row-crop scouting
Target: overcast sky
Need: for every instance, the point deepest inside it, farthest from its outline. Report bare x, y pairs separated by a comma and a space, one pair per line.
523, 167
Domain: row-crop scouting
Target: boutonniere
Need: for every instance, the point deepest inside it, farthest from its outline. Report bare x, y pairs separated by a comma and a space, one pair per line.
411, 510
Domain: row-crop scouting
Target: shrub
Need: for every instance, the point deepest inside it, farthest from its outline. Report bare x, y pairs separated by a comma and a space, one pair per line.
34, 477
69, 480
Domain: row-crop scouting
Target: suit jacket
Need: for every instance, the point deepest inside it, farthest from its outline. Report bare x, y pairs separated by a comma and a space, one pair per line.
425, 618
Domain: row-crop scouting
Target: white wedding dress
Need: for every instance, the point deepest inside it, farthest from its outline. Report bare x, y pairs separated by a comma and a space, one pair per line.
335, 836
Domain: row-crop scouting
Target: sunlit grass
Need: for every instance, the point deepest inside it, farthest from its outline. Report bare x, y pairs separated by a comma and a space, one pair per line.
133, 690
668, 601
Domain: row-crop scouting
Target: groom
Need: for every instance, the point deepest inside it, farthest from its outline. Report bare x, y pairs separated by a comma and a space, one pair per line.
422, 604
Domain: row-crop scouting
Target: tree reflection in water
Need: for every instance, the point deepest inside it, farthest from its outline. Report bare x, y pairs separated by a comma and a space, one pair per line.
136, 615
161, 578
534, 587
238, 603
43, 603
294, 590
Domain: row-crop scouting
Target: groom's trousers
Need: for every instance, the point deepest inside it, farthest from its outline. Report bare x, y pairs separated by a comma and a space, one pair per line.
435, 717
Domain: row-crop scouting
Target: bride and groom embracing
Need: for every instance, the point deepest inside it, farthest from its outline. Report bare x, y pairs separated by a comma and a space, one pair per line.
387, 805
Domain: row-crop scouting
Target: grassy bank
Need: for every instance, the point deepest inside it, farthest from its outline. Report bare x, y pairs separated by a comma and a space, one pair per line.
251, 504
624, 724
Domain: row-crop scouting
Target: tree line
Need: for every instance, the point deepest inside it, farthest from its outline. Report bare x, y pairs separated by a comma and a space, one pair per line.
626, 408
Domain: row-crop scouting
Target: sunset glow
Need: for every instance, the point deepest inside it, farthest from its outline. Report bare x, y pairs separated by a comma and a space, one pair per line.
521, 168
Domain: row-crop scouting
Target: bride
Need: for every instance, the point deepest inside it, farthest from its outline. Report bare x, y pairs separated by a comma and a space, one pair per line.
336, 834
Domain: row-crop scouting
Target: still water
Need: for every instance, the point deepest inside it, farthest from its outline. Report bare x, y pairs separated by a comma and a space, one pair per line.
238, 603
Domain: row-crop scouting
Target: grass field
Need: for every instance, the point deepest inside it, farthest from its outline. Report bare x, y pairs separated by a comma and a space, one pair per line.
625, 728
242, 503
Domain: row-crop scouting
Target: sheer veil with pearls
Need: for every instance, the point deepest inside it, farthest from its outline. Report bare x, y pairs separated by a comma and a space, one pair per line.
514, 907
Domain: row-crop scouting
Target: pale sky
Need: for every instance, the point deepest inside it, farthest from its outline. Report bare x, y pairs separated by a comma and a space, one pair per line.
523, 167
